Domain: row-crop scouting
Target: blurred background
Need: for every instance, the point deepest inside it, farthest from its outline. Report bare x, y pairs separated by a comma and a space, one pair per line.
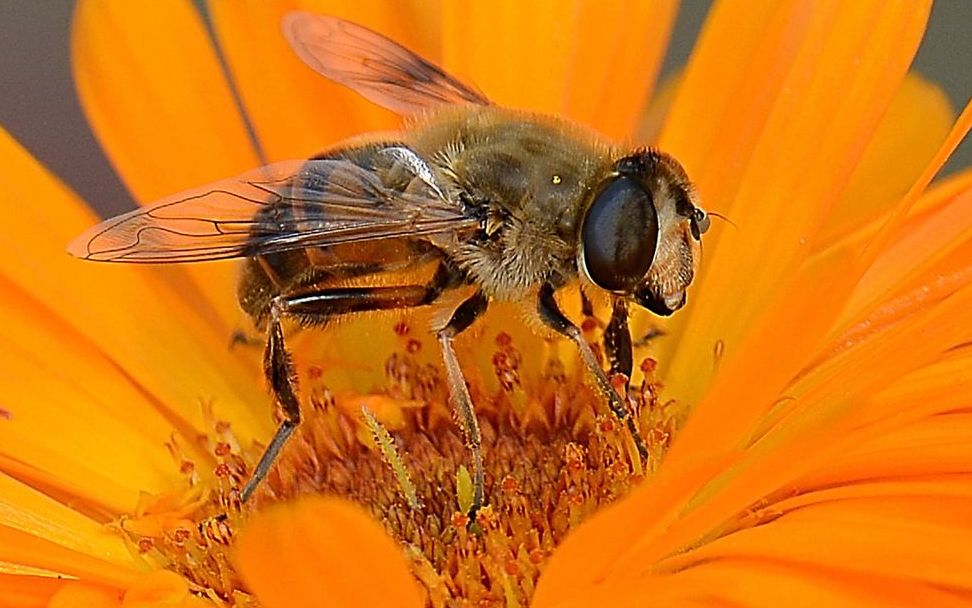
39, 107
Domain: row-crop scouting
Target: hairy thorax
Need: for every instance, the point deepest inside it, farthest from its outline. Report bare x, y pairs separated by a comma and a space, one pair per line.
528, 178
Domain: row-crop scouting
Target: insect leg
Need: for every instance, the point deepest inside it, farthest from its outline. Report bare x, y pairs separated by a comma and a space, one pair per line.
617, 340
278, 368
316, 307
552, 316
462, 318
587, 307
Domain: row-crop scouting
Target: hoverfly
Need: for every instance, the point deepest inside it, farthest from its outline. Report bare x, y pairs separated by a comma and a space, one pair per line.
509, 204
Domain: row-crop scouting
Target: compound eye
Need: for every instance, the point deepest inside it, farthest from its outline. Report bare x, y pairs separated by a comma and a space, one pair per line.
619, 235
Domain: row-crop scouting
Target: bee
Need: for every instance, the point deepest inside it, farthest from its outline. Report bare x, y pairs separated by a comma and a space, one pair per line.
506, 204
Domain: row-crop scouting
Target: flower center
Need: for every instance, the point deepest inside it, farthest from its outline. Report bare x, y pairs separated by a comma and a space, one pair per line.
553, 453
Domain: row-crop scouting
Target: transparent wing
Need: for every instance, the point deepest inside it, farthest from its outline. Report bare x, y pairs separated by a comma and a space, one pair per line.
288, 205
374, 66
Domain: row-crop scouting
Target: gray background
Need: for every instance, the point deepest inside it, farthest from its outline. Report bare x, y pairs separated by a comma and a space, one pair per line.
38, 104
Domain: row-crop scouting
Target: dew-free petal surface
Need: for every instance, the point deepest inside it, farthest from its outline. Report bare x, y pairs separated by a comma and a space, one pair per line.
317, 552
152, 87
911, 131
134, 316
270, 76
852, 59
592, 62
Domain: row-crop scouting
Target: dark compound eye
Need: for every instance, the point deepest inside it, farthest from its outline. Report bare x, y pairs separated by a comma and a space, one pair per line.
619, 235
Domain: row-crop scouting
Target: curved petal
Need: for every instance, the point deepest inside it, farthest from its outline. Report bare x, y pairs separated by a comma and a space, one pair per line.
318, 552
916, 245
152, 87
23, 548
867, 470
910, 133
92, 412
25, 509
153, 90
594, 63
852, 57
616, 53
269, 76
28, 591
134, 318
77, 594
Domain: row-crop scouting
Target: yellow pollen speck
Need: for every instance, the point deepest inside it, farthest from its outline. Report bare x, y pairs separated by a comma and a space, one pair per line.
556, 180
464, 489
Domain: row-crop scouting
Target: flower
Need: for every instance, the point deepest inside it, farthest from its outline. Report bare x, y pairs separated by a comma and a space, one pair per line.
818, 367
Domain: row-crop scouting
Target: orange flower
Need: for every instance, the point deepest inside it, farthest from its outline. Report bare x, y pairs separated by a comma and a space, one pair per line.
815, 379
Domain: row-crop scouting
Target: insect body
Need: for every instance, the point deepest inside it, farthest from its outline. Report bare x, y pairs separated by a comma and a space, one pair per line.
504, 204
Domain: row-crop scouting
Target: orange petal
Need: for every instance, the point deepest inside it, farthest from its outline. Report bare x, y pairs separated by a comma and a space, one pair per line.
616, 52
941, 381
918, 339
156, 589
889, 269
25, 509
161, 589
484, 40
269, 76
852, 59
758, 582
319, 551
861, 537
91, 412
152, 88
23, 591
744, 54
755, 582
909, 135
822, 424
78, 594
135, 317
928, 447
26, 549
921, 244
773, 352
901, 212
594, 63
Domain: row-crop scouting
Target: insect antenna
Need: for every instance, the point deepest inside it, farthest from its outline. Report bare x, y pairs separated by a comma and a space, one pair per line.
723, 218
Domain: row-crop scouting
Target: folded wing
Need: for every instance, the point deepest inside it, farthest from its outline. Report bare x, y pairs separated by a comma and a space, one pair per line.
284, 206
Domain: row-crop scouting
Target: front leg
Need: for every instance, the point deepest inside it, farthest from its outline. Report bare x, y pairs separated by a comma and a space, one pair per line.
617, 339
552, 316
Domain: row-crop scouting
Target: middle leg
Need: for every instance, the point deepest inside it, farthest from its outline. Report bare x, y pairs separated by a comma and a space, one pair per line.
462, 318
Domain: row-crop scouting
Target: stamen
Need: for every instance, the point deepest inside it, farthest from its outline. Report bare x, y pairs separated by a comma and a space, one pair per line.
465, 493
388, 449
553, 455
